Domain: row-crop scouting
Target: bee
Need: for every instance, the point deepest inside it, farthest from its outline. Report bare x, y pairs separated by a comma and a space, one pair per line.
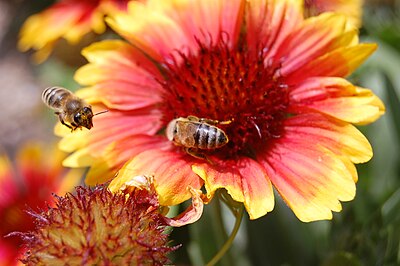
72, 111
195, 134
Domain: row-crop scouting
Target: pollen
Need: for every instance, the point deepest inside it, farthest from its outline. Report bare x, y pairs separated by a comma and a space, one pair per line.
228, 84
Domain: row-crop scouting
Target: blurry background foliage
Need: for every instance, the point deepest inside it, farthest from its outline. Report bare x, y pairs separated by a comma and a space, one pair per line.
366, 232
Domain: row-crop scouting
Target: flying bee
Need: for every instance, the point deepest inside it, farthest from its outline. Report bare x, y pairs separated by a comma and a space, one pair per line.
72, 111
195, 134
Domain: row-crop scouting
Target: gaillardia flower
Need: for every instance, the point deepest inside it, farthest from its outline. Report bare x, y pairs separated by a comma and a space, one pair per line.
352, 9
277, 78
38, 174
68, 19
97, 227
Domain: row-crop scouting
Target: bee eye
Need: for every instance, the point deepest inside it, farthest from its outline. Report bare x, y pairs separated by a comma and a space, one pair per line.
77, 118
86, 109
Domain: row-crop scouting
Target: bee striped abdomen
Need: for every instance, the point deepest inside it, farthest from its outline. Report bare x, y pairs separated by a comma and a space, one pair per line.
196, 134
54, 96
209, 137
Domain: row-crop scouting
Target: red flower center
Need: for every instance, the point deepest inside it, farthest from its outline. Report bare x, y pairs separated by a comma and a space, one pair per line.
228, 84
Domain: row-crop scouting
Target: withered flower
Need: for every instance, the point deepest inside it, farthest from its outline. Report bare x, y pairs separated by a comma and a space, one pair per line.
97, 227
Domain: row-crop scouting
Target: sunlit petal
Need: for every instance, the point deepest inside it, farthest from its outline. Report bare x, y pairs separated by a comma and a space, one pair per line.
338, 98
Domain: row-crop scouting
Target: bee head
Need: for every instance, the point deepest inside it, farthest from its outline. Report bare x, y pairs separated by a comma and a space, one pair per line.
171, 130
84, 117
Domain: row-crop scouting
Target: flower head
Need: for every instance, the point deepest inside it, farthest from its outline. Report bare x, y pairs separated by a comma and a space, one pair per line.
279, 80
68, 19
96, 226
38, 173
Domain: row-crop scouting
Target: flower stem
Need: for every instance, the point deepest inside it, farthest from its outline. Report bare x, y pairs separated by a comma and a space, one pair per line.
218, 221
229, 241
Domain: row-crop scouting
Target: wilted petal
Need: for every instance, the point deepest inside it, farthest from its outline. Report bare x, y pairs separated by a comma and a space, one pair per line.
191, 214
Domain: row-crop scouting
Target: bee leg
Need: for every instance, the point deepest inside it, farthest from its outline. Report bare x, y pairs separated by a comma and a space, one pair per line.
194, 118
225, 122
215, 122
68, 126
198, 155
74, 126
208, 121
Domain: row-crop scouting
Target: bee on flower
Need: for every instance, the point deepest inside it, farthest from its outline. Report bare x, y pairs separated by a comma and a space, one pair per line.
196, 134
280, 78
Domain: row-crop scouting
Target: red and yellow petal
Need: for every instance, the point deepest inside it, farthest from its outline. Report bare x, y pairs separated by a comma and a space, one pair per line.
171, 171
162, 27
313, 38
244, 179
33, 155
313, 177
341, 138
268, 23
221, 175
116, 155
40, 169
338, 98
5, 168
108, 128
69, 20
7, 182
121, 95
119, 55
119, 76
37, 173
373, 101
115, 59
310, 178
338, 63
51, 24
257, 189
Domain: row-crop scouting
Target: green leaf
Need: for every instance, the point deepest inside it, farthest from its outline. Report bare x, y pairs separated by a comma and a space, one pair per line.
393, 102
391, 209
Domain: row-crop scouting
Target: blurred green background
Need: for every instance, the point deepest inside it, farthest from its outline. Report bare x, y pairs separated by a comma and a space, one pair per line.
366, 232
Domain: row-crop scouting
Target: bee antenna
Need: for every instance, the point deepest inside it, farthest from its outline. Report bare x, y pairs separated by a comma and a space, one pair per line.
102, 112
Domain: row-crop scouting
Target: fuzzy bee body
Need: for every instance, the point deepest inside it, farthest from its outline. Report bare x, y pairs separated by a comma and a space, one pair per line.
196, 133
72, 111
